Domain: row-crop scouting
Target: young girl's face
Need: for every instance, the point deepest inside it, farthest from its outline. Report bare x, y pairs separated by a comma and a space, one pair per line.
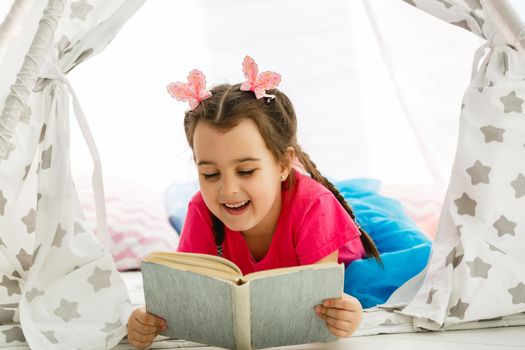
240, 179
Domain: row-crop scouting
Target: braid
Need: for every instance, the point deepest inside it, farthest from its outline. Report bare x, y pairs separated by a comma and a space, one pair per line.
218, 232
366, 240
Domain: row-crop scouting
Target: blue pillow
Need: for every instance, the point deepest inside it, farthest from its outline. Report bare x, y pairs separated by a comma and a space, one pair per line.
177, 197
404, 249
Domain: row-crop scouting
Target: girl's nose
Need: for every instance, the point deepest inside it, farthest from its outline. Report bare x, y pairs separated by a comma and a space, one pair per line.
229, 186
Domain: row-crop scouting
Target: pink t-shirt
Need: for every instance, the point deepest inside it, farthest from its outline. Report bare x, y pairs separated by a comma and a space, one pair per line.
312, 225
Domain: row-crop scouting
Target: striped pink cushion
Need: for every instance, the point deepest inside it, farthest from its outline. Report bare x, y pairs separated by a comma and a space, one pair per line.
421, 203
136, 218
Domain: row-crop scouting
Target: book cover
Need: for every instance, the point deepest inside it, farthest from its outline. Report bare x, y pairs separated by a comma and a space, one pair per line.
260, 310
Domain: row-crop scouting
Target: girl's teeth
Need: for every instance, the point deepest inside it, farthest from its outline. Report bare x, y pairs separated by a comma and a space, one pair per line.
233, 206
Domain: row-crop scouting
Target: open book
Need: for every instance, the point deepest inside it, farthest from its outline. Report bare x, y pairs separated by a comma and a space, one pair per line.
206, 299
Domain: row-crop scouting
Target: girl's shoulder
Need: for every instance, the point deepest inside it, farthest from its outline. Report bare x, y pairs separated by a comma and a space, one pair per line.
306, 192
197, 204
307, 188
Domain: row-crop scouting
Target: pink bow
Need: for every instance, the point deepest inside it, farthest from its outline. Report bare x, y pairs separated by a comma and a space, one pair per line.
194, 91
258, 83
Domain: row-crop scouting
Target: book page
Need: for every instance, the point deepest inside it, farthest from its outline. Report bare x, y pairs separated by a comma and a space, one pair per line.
282, 306
192, 260
285, 270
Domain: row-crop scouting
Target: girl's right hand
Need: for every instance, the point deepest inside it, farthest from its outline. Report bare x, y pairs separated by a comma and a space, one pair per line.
143, 328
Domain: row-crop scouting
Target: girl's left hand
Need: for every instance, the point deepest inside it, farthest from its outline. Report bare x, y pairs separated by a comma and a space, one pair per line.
342, 316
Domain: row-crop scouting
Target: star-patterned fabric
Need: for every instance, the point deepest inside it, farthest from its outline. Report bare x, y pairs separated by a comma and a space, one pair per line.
478, 254
59, 288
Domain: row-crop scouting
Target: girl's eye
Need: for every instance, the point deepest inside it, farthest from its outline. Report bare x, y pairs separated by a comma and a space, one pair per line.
210, 176
246, 172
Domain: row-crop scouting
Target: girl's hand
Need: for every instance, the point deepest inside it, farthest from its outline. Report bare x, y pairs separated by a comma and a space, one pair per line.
143, 328
342, 316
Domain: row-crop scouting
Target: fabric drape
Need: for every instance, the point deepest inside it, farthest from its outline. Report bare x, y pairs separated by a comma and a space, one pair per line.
59, 287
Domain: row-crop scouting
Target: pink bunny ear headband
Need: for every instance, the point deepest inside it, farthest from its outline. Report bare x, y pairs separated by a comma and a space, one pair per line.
194, 91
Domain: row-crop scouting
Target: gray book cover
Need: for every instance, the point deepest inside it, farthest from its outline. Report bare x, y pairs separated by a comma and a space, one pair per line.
196, 307
267, 311
282, 307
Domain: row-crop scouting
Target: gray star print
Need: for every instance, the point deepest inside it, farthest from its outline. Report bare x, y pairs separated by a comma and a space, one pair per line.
454, 259
459, 309
30, 221
492, 133
3, 202
62, 45
13, 286
80, 10
466, 205
14, 334
100, 279
479, 173
447, 5
26, 172
67, 310
110, 327
518, 293
33, 293
78, 229
6, 315
519, 186
463, 24
59, 236
25, 259
512, 103
495, 249
35, 253
46, 157
50, 335
473, 4
431, 295
478, 268
43, 133
504, 226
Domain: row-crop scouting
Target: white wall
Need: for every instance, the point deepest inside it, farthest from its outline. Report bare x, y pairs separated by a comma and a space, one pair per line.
351, 119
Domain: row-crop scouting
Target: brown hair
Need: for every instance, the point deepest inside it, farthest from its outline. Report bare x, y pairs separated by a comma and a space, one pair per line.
277, 123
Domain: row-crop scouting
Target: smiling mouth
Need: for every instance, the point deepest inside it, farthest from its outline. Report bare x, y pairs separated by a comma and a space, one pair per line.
236, 206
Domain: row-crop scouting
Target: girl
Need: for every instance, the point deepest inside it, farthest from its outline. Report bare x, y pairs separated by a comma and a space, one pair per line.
256, 207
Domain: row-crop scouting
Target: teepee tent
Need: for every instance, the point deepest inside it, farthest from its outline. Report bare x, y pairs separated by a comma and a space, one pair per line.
55, 278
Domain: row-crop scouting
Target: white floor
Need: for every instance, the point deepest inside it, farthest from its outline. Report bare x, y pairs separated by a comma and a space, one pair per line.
478, 339
504, 338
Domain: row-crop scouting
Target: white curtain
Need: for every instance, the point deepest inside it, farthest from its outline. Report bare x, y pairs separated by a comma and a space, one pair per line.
351, 119
477, 268
58, 285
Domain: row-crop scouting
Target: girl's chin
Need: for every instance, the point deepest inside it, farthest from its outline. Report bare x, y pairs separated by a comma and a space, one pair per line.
237, 227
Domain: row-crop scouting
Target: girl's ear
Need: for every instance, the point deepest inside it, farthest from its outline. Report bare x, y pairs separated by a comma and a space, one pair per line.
286, 166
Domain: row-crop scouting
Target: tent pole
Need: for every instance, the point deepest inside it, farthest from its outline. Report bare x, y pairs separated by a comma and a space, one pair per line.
26, 78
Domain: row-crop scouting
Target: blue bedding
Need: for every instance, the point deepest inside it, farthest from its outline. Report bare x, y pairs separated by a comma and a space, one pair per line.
403, 248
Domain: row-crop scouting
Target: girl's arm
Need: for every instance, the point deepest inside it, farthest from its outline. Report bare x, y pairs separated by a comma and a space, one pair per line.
343, 315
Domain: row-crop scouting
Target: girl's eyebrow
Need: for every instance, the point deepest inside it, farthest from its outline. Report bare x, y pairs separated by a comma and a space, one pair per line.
240, 160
